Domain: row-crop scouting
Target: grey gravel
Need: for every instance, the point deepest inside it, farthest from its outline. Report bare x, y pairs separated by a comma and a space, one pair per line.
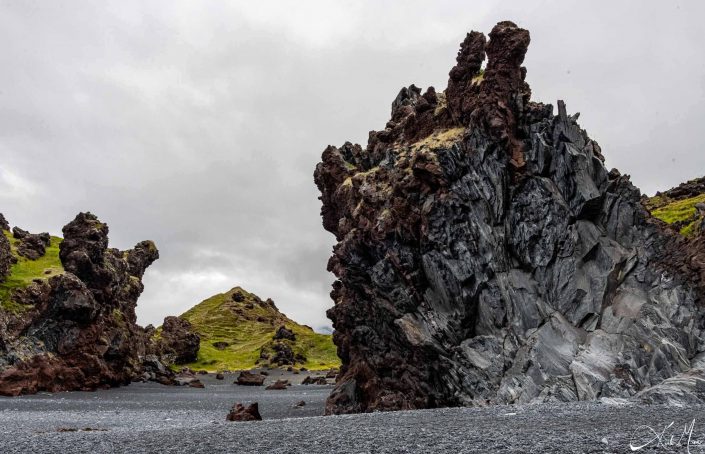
147, 417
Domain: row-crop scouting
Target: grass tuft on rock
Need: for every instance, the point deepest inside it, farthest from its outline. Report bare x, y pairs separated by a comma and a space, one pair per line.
25, 271
679, 211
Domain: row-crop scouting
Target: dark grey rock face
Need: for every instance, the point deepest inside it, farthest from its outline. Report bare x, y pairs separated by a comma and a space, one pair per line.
497, 260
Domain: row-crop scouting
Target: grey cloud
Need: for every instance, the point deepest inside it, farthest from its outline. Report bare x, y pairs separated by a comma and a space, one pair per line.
198, 125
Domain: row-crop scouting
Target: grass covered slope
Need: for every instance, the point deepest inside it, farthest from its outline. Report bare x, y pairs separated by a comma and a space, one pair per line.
237, 326
677, 206
25, 271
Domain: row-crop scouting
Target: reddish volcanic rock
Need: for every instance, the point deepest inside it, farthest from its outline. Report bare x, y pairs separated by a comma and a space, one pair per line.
241, 413
279, 385
196, 383
80, 331
178, 343
247, 378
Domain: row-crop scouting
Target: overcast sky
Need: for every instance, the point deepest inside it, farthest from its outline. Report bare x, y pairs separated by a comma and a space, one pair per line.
198, 124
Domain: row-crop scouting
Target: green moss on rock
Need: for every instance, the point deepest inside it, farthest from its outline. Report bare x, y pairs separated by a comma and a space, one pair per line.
25, 271
680, 212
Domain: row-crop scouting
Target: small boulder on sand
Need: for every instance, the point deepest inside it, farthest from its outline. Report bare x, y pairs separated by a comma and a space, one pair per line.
247, 378
241, 413
196, 383
320, 380
279, 384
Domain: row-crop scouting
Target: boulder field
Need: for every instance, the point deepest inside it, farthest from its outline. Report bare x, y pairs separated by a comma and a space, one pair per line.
486, 255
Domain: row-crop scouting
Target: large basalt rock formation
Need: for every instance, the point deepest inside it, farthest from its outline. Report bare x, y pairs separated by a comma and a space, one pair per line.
79, 330
486, 255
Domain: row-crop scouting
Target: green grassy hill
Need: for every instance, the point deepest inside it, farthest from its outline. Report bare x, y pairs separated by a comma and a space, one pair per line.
25, 271
677, 209
236, 326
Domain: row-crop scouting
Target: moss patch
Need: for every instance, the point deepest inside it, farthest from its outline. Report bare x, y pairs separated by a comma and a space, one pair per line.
442, 104
247, 326
25, 271
440, 139
681, 211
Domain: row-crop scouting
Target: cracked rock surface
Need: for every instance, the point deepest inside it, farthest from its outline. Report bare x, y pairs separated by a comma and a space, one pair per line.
485, 255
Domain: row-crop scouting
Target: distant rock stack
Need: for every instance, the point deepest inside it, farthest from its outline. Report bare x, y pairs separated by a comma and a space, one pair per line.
485, 255
178, 343
78, 329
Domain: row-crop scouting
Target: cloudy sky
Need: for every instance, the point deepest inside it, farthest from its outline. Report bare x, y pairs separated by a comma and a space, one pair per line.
198, 124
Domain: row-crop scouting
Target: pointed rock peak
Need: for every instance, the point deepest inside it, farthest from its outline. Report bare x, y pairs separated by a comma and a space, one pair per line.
84, 245
461, 87
470, 57
492, 99
507, 46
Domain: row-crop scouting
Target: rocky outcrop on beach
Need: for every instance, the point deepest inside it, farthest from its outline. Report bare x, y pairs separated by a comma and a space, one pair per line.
77, 330
247, 378
177, 342
485, 255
